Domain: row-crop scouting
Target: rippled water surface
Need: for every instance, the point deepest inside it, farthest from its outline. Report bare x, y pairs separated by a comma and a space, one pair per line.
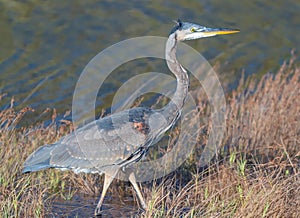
45, 46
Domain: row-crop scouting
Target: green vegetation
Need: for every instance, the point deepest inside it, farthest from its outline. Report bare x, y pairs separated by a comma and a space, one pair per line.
255, 175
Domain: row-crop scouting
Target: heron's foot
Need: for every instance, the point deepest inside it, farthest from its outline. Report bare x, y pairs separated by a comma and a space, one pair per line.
142, 209
144, 206
97, 212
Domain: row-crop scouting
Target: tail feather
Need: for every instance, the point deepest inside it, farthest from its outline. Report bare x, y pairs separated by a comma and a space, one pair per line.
38, 160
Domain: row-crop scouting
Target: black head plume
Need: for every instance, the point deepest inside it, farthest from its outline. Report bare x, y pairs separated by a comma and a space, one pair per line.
179, 23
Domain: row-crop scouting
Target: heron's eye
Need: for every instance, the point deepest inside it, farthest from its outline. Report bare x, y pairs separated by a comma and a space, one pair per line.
193, 29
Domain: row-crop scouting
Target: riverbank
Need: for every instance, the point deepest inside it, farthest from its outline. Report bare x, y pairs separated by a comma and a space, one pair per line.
256, 174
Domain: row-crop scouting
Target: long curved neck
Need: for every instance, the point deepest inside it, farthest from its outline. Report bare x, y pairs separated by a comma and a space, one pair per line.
172, 110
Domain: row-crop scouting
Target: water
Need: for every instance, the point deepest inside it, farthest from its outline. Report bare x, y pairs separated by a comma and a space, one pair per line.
45, 46
83, 206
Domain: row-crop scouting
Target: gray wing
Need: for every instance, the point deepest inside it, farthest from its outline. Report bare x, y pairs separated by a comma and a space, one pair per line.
103, 142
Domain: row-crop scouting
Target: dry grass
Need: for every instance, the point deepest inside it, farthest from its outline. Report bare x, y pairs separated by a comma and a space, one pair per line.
27, 195
255, 175
257, 171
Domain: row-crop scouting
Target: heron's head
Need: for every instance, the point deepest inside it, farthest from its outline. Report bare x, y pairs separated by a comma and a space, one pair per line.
189, 31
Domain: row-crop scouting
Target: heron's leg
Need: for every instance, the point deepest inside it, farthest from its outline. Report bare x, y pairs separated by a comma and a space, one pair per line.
107, 181
137, 189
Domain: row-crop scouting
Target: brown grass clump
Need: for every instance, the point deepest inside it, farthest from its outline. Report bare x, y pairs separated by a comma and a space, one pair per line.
226, 192
257, 172
264, 120
255, 175
28, 195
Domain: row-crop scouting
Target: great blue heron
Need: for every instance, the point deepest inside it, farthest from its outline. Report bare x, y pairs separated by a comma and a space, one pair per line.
86, 150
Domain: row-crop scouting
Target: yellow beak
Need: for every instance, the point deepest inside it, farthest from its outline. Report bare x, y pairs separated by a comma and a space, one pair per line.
219, 31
